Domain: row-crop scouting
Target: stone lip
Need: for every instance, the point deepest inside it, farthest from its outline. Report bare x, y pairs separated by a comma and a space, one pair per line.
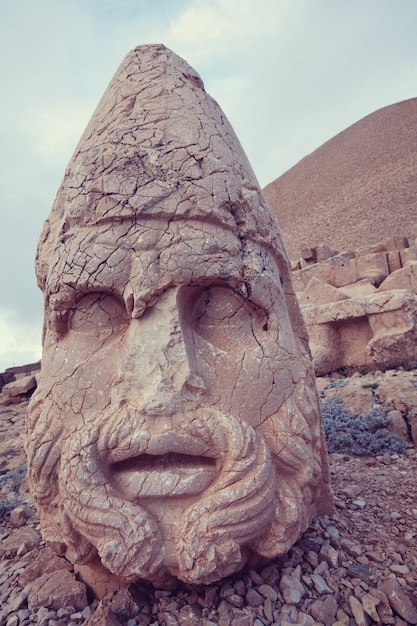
160, 444
169, 475
358, 307
165, 464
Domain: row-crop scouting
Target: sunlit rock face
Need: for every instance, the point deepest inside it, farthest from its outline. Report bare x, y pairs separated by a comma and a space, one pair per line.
175, 432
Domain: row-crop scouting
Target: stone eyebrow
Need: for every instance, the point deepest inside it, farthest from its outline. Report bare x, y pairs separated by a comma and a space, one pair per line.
67, 295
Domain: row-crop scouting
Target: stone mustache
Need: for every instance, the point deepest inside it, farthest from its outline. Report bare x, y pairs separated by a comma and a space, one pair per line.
175, 431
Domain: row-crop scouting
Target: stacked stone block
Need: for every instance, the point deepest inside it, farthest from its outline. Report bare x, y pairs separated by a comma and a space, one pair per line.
360, 306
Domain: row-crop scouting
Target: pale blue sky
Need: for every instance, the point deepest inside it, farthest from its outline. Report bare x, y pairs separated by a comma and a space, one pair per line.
289, 75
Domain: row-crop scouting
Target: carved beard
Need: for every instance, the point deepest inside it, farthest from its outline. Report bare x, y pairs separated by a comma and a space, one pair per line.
254, 509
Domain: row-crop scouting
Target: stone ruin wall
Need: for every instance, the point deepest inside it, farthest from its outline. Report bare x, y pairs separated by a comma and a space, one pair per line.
18, 383
360, 307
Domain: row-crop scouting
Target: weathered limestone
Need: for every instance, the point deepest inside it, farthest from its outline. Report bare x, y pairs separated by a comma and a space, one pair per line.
319, 292
54, 592
175, 431
361, 288
14, 391
372, 267
338, 271
402, 395
18, 383
378, 330
360, 307
402, 278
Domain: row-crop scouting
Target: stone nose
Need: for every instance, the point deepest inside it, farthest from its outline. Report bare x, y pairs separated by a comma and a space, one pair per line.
158, 365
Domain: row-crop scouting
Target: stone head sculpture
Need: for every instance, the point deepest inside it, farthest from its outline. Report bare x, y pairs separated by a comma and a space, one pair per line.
175, 431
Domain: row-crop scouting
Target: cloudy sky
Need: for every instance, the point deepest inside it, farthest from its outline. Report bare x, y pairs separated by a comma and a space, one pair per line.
289, 74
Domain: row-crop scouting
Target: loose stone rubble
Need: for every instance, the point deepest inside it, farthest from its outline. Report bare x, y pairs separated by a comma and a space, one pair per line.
175, 431
358, 566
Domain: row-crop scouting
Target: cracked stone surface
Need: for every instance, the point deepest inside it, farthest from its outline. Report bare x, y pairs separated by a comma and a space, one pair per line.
175, 431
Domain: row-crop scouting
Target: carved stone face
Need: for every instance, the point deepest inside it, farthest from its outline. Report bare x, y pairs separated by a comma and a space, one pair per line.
175, 430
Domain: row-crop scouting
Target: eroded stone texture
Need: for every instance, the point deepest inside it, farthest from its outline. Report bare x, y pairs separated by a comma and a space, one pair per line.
360, 311
175, 431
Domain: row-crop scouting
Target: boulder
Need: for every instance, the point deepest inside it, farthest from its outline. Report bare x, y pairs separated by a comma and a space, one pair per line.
55, 590
403, 278
319, 292
378, 330
14, 391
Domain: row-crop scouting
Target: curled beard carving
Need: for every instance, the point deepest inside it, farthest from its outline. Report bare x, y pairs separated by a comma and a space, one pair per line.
124, 534
235, 509
231, 512
294, 439
44, 442
254, 510
43, 449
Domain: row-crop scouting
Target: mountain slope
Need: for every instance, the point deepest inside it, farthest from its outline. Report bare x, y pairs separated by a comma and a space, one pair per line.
358, 188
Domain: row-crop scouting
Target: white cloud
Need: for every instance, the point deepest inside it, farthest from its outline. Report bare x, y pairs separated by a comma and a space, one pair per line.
20, 343
230, 38
214, 26
55, 129
223, 25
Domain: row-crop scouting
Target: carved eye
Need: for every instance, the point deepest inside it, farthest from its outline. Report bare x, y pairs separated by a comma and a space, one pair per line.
222, 317
98, 315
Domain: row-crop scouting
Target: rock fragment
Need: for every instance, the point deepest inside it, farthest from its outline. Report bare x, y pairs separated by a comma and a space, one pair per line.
361, 618
324, 610
399, 600
56, 591
18, 516
292, 589
330, 555
103, 616
320, 584
44, 561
